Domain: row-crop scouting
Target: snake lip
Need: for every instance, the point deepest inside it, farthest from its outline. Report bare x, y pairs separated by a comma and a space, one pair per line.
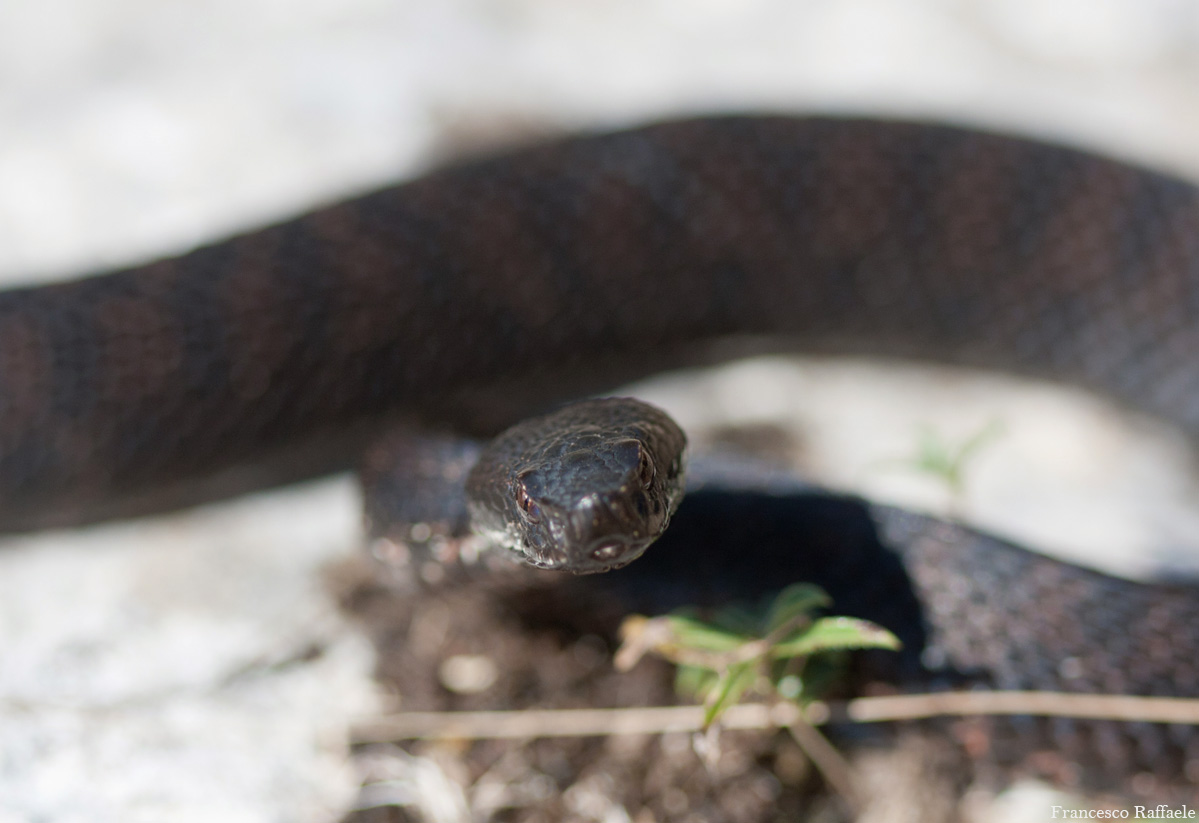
609, 552
607, 555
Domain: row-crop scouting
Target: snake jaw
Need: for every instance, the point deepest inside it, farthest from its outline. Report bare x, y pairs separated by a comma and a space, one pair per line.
611, 556
547, 562
563, 551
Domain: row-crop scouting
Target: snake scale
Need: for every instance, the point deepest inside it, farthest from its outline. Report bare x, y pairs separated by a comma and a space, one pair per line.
496, 287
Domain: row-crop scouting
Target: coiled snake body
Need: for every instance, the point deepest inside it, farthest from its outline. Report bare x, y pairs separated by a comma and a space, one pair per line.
481, 292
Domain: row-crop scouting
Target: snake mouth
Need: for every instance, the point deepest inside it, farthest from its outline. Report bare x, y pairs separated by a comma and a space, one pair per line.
539, 562
601, 556
607, 555
609, 552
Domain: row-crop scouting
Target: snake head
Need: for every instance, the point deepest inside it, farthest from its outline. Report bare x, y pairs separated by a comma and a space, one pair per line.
586, 489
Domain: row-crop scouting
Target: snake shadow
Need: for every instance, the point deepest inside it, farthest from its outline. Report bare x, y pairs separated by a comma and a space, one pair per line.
727, 545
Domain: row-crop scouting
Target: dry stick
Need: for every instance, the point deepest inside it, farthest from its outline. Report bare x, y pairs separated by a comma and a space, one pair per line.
1183, 710
828, 760
604, 722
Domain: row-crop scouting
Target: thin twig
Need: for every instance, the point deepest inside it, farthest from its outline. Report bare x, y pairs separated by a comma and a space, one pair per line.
534, 723
557, 723
828, 761
1182, 710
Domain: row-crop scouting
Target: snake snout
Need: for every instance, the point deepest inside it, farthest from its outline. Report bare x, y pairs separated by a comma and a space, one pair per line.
607, 531
609, 552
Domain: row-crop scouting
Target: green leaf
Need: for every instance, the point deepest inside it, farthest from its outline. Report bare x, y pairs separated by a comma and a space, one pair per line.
932, 453
692, 633
729, 688
937, 458
696, 681
797, 600
831, 633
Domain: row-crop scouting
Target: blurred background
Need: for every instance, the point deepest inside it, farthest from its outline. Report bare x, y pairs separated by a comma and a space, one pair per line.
133, 128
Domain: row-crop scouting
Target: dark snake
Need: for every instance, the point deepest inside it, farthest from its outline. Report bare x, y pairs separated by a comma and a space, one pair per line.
479, 293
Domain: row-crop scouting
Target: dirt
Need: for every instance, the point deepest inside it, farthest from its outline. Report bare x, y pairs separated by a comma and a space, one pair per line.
546, 651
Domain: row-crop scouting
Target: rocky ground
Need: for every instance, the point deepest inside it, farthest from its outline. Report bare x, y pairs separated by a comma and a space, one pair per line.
198, 666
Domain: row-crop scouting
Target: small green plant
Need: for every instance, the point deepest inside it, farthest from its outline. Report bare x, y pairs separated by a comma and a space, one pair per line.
947, 462
936, 456
780, 649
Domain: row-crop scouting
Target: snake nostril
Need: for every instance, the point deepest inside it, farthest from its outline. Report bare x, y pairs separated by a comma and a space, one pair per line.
608, 552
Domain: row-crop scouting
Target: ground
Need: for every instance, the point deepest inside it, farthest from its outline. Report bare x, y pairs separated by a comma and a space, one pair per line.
196, 667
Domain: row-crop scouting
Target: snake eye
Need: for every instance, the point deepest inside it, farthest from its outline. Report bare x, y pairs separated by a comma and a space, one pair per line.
527, 504
645, 468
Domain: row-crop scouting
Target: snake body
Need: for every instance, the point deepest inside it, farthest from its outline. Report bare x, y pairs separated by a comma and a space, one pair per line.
482, 291
566, 266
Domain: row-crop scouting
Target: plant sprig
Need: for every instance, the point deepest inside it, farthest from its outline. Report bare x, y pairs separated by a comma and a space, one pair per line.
722, 658
770, 650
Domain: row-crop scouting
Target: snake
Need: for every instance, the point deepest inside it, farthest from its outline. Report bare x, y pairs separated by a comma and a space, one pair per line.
497, 288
